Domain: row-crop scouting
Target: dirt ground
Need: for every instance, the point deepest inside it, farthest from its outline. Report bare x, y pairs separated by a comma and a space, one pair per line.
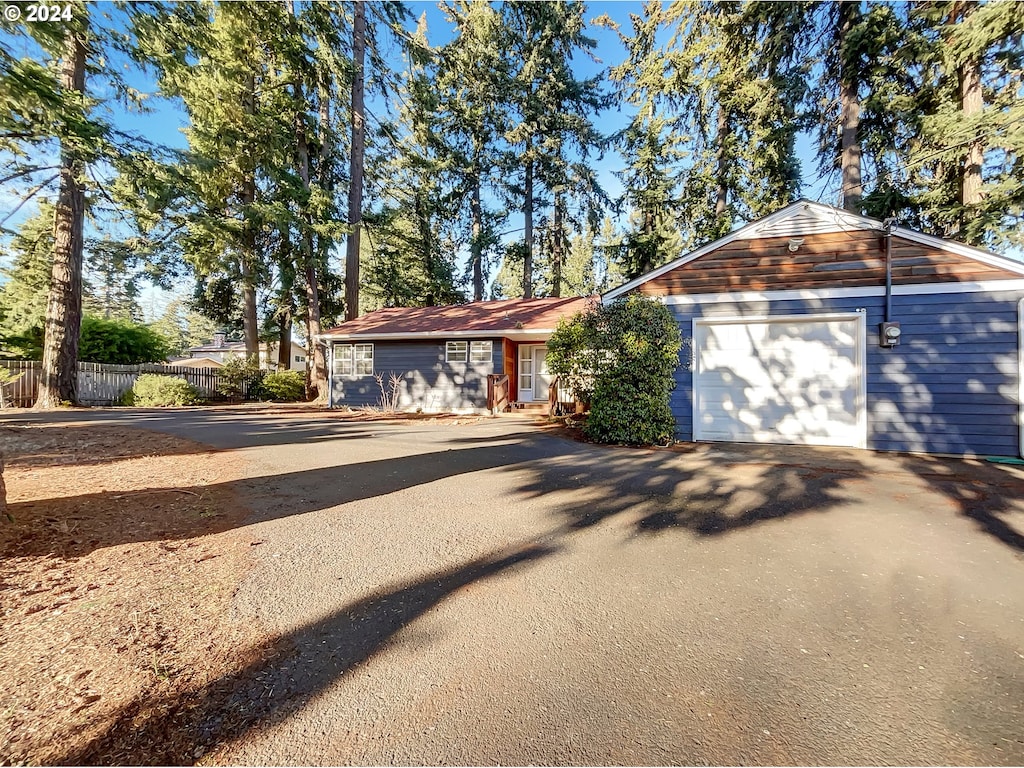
120, 553
116, 573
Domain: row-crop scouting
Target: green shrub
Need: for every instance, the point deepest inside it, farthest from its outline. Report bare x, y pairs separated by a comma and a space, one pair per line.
239, 377
119, 342
285, 386
151, 390
620, 358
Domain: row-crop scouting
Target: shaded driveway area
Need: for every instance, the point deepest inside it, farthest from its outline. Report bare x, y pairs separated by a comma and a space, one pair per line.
493, 593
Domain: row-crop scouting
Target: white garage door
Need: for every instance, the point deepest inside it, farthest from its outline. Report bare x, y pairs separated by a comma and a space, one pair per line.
795, 379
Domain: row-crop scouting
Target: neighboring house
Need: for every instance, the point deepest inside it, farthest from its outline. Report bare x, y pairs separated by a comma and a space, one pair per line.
196, 362
220, 349
445, 356
792, 336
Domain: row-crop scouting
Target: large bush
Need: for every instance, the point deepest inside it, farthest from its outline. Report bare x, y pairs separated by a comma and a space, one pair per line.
240, 377
620, 358
285, 386
119, 342
151, 390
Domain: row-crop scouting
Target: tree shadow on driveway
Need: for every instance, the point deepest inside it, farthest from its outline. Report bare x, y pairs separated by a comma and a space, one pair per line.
982, 492
269, 497
714, 489
284, 674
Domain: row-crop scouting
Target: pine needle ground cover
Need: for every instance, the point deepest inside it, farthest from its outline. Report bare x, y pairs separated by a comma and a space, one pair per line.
115, 592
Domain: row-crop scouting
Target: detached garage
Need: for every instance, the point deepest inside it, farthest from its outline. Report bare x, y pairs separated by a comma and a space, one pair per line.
815, 326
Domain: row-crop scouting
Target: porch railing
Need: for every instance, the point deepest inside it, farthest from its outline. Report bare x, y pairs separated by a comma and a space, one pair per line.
498, 393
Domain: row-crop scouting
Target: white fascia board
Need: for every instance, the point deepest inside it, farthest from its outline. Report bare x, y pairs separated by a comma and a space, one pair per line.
985, 257
826, 317
914, 289
751, 296
836, 219
509, 334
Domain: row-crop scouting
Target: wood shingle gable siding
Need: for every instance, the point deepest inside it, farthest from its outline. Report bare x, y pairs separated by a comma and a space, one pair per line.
822, 260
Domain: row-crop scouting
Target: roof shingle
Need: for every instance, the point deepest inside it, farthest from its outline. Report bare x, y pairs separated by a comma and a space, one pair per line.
506, 315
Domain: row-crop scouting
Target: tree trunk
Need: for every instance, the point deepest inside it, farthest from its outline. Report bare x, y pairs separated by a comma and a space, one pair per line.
59, 375
284, 340
247, 257
528, 217
849, 109
557, 254
476, 246
722, 134
355, 192
427, 244
3, 490
314, 354
317, 385
250, 322
971, 105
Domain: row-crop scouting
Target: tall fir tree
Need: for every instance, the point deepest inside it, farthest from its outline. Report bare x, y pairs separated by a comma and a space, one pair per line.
474, 83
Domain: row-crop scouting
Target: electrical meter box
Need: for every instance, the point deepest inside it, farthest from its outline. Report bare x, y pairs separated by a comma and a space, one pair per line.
889, 334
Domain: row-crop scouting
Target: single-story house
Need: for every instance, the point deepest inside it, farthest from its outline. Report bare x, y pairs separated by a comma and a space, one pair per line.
479, 357
220, 349
816, 326
195, 362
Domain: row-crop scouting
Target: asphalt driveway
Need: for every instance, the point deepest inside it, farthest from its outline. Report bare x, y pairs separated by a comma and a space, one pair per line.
491, 593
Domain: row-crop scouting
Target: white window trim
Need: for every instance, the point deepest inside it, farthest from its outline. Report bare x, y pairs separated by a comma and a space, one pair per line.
861, 355
349, 352
450, 345
483, 344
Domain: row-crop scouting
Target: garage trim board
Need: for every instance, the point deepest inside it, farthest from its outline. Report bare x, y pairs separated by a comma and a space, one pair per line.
774, 383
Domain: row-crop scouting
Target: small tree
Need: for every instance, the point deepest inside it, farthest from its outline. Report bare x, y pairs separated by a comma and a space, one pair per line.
620, 358
235, 374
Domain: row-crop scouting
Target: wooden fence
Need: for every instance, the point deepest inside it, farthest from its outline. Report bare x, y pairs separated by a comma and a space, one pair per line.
100, 384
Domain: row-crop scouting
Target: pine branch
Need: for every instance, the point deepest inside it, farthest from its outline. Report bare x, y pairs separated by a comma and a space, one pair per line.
32, 193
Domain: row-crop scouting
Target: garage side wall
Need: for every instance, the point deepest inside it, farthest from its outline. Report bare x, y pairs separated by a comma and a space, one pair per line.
427, 380
950, 386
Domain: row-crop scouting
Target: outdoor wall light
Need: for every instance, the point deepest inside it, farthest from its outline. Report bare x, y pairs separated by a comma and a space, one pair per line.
795, 243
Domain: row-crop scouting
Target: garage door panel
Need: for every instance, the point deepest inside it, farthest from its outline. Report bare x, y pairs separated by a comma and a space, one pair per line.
780, 382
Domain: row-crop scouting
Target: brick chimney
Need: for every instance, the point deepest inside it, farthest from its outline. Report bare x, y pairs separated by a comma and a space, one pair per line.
219, 338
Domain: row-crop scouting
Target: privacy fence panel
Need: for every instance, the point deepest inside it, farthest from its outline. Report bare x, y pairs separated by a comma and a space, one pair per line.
101, 384
21, 392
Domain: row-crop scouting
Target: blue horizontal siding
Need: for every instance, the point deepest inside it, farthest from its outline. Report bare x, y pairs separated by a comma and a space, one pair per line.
951, 386
427, 381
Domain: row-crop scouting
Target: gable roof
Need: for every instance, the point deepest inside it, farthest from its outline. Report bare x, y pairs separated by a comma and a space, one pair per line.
509, 317
806, 217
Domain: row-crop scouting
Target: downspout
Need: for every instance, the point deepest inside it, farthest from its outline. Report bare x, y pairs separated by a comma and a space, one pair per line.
888, 224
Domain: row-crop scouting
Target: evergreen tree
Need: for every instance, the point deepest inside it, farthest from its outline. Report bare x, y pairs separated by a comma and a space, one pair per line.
47, 108
412, 237
473, 82
650, 146
964, 146
554, 137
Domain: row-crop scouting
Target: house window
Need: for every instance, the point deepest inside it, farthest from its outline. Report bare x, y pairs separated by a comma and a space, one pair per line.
480, 352
364, 359
353, 359
456, 351
300, 359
